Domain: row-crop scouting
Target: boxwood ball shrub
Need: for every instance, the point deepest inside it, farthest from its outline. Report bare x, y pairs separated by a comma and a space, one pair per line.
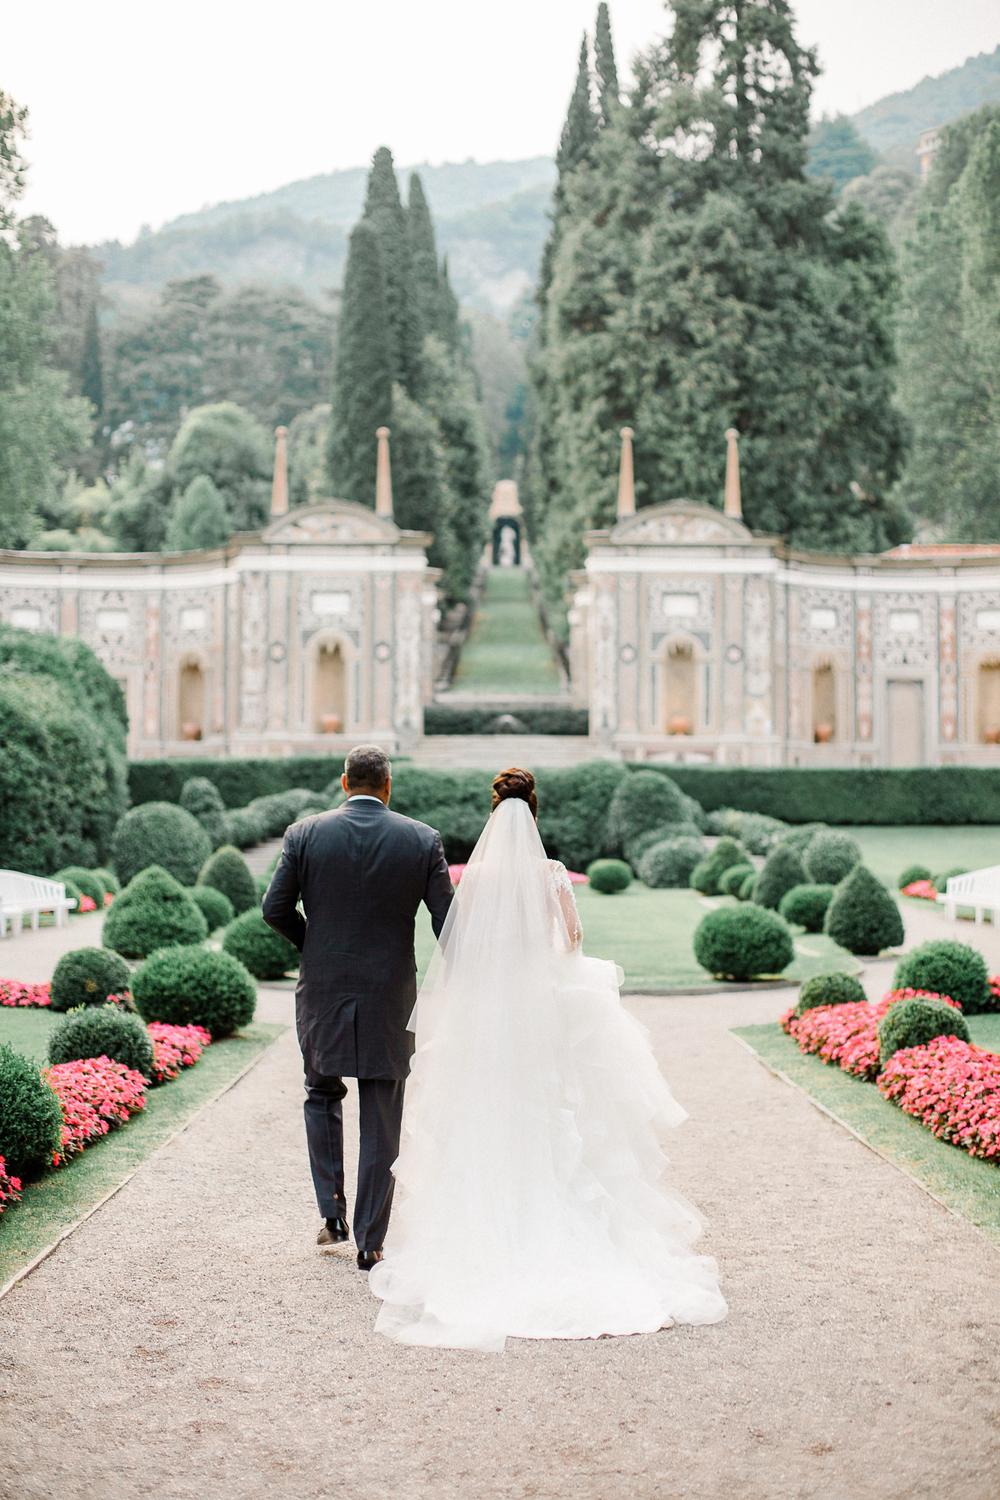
203, 800
30, 1115
911, 1023
644, 799
109, 881
103, 1031
947, 967
263, 951
829, 989
88, 882
830, 856
152, 911
732, 879
667, 865
743, 942
609, 876
805, 905
747, 885
706, 874
912, 873
782, 871
216, 908
158, 833
193, 985
244, 828
636, 848
229, 873
87, 976
863, 917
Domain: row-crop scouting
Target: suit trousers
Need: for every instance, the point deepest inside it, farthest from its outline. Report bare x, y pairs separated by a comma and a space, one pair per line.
381, 1108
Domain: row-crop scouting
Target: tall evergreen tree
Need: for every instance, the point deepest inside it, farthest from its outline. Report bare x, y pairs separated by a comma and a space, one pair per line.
362, 386
198, 518
608, 88
450, 329
91, 365
450, 397
424, 269
385, 215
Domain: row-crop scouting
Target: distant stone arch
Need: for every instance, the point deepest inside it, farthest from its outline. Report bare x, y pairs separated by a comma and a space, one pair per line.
824, 702
988, 701
329, 696
680, 686
191, 699
500, 525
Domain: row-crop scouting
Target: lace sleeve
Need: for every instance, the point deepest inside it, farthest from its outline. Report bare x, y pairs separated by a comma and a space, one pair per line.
569, 916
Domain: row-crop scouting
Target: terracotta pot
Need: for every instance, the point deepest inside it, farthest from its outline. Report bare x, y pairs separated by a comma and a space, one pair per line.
991, 736
331, 723
190, 730
823, 734
678, 724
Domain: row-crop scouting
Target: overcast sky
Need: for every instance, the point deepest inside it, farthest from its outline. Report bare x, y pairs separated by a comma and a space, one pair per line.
140, 112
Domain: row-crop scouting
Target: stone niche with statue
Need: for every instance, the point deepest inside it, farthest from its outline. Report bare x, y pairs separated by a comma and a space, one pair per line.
313, 634
694, 640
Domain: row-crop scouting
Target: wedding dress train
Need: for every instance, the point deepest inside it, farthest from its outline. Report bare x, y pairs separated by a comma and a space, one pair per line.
529, 1200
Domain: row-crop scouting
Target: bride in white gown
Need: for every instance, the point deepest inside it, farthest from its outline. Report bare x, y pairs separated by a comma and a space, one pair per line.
529, 1202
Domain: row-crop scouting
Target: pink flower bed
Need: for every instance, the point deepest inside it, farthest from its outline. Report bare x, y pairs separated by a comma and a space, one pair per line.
951, 1087
96, 1094
10, 1187
87, 903
923, 889
175, 1047
16, 992
847, 1035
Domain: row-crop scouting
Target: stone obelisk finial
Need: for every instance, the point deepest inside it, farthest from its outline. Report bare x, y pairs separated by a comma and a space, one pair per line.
733, 504
626, 476
279, 484
383, 474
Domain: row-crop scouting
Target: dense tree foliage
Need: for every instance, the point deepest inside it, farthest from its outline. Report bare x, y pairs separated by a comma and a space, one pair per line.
838, 152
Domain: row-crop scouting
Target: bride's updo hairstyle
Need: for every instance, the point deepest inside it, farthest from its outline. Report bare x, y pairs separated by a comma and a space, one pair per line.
515, 783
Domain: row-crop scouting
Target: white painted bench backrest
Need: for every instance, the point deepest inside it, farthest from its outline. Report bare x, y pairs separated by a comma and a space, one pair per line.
16, 888
984, 884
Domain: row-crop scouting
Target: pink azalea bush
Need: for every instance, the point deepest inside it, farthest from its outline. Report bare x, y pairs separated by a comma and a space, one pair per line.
175, 1047
87, 903
95, 1094
923, 889
17, 992
847, 1035
951, 1087
10, 1187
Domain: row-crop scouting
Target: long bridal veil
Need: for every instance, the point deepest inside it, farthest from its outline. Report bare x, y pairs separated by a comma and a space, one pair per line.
528, 1201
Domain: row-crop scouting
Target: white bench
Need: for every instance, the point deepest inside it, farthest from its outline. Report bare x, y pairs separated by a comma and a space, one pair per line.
29, 896
979, 889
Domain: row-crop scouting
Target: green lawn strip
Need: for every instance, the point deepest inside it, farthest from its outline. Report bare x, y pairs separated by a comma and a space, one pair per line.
506, 650
888, 851
967, 1186
60, 1198
27, 1030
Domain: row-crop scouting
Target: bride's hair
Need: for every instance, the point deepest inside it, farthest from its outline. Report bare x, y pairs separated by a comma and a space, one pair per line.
515, 783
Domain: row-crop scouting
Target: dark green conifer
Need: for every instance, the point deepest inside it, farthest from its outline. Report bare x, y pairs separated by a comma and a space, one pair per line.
362, 388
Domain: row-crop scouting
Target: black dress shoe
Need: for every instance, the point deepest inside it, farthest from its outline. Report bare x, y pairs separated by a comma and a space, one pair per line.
333, 1232
368, 1258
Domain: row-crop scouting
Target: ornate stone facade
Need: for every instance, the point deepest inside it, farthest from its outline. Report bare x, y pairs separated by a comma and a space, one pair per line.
693, 639
312, 635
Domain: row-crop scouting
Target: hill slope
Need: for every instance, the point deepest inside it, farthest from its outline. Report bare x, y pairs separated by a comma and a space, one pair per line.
893, 124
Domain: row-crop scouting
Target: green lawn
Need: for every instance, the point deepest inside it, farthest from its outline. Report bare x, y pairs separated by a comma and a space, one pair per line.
506, 651
969, 1187
650, 934
889, 850
58, 1199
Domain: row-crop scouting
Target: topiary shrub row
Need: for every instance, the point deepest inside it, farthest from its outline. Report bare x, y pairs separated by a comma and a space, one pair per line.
609, 876
216, 908
743, 942
194, 986
87, 976
637, 847
238, 779
153, 910
947, 967
782, 871
259, 948
227, 871
163, 835
830, 856
103, 1031
670, 863
829, 989
708, 872
755, 831
863, 916
203, 800
731, 881
806, 906
86, 882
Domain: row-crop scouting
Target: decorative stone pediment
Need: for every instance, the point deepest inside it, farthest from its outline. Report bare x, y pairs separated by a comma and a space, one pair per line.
330, 522
680, 521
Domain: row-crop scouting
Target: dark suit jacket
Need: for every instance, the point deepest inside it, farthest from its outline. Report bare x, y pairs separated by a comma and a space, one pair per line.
360, 872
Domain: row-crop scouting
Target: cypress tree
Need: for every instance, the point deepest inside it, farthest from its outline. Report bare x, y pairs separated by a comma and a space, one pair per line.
425, 272
450, 328
385, 215
608, 89
362, 387
91, 368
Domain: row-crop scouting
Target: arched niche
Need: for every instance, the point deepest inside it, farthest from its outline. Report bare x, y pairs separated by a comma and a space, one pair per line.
507, 541
680, 686
192, 699
824, 702
329, 684
988, 701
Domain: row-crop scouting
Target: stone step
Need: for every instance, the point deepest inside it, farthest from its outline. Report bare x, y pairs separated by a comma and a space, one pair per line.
495, 751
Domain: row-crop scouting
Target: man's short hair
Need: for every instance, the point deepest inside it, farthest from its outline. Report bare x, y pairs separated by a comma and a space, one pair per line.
368, 768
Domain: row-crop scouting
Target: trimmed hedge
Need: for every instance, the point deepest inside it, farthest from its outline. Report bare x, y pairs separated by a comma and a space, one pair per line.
890, 796
912, 1023
239, 779
203, 800
193, 985
636, 848
707, 872
110, 882
806, 905
87, 976
800, 838
244, 828
947, 967
643, 800
153, 911
732, 879
215, 907
259, 948
829, 989
160, 834
863, 916
743, 942
609, 876
831, 856
31, 1119
103, 1031
911, 873
227, 871
782, 871
746, 888
756, 832
445, 718
87, 882
669, 864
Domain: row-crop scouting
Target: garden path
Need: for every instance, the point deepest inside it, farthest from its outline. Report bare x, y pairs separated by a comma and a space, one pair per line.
190, 1341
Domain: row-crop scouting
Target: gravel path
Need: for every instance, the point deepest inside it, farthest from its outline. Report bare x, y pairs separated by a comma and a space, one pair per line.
189, 1341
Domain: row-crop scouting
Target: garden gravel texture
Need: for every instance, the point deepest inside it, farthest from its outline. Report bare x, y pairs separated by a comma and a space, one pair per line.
190, 1341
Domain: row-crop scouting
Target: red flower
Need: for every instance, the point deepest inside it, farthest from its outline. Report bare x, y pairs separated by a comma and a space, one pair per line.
175, 1047
17, 992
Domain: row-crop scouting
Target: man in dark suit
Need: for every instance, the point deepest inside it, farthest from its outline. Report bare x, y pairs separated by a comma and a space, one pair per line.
360, 873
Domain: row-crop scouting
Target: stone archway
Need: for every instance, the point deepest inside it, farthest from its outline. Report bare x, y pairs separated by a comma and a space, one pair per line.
501, 525
191, 699
680, 707
329, 692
